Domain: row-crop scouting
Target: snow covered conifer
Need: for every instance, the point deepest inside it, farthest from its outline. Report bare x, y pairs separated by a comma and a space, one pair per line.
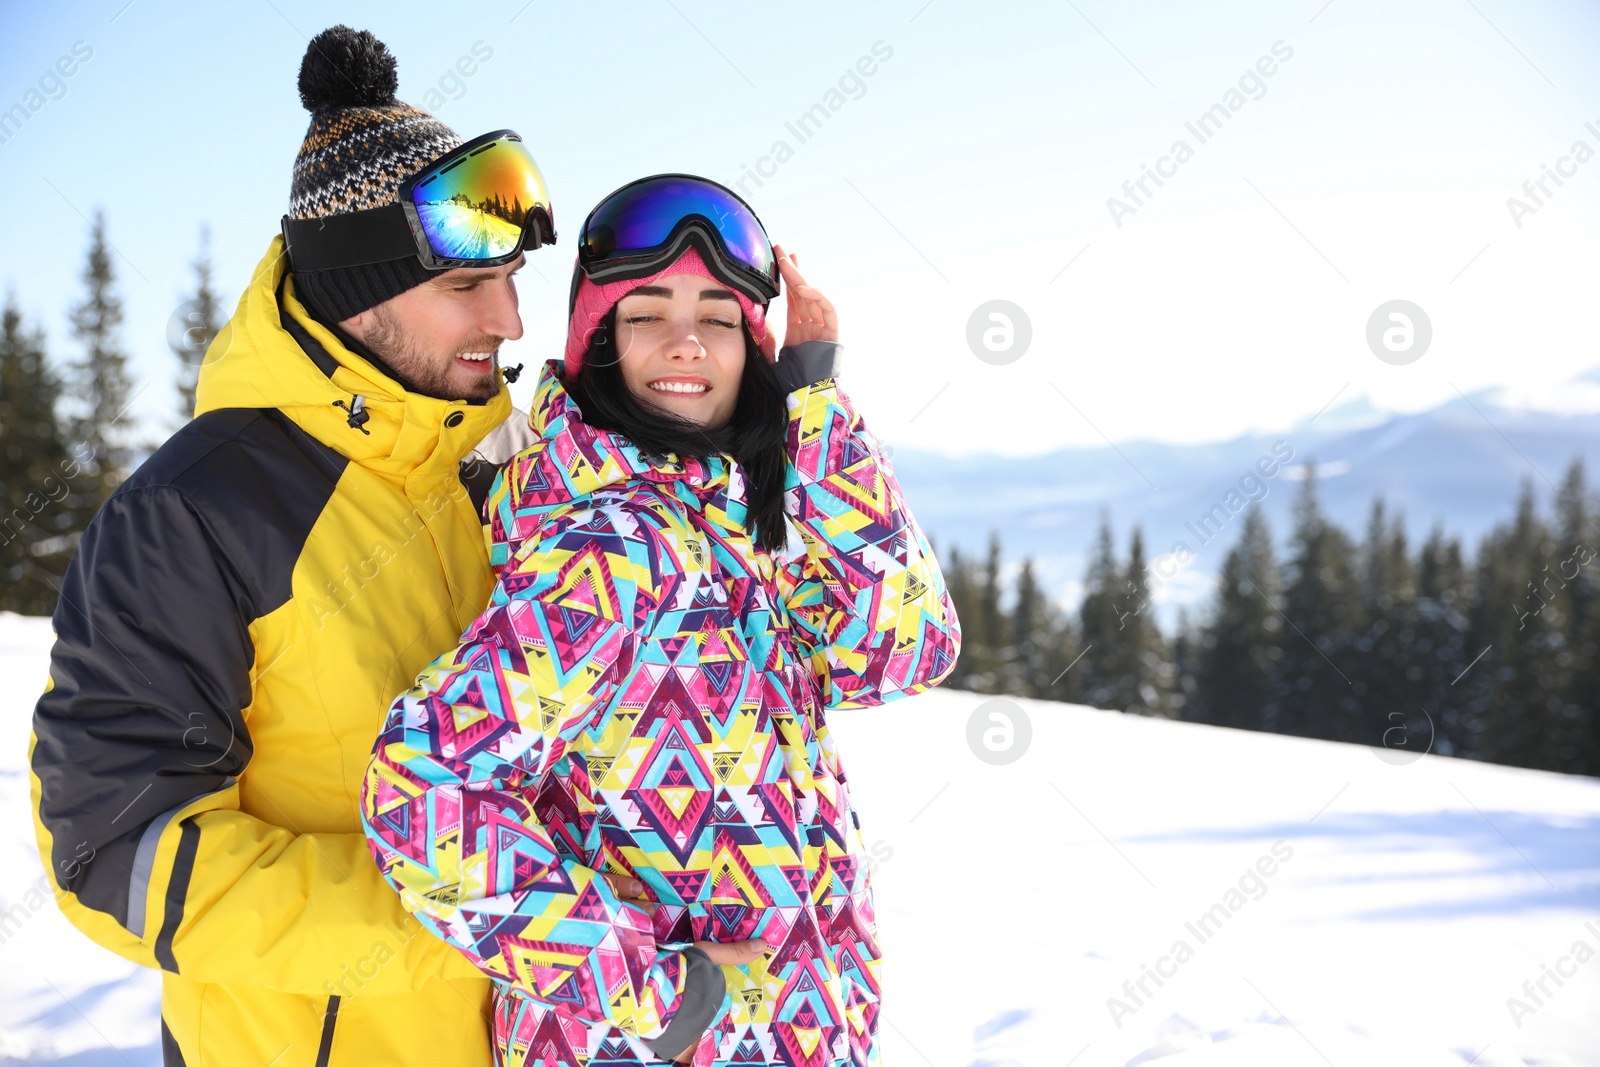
203, 321
1239, 644
1097, 615
35, 527
100, 378
1321, 598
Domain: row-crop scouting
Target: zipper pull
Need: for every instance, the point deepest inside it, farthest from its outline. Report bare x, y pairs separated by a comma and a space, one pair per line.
358, 413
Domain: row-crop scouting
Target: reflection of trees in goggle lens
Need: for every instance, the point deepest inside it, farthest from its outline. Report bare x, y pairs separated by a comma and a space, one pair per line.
601, 240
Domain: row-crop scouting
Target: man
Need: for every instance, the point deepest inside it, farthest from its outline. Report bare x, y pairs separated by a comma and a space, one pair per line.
244, 608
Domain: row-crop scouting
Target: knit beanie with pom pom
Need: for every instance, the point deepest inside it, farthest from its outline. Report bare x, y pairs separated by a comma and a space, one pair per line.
361, 145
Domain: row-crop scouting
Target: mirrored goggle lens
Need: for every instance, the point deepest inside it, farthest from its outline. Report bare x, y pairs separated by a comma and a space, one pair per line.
642, 217
475, 207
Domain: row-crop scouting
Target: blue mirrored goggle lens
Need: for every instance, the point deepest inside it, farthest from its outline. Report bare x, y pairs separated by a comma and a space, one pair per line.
643, 216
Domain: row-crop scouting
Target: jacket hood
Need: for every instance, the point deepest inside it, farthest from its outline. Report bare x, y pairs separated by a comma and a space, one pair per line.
276, 355
573, 461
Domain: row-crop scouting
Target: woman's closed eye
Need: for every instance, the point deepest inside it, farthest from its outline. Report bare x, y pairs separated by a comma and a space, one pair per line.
644, 319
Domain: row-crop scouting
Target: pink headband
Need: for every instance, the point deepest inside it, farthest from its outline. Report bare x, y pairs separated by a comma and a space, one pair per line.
595, 301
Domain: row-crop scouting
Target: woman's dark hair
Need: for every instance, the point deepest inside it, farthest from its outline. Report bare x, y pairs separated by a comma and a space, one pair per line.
754, 436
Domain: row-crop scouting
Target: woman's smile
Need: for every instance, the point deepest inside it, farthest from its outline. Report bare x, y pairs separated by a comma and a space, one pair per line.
687, 385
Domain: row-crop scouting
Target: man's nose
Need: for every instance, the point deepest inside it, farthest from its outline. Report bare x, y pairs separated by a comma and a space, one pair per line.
500, 317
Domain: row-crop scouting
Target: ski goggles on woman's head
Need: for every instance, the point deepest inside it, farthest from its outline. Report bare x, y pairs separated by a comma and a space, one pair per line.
647, 224
479, 205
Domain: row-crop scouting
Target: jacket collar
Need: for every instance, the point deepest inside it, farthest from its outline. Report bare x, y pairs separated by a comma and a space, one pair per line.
573, 460
602, 457
274, 354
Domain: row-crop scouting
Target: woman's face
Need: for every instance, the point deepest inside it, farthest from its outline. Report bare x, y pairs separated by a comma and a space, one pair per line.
682, 343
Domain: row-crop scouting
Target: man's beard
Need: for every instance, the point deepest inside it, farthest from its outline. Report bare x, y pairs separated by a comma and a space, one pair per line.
421, 373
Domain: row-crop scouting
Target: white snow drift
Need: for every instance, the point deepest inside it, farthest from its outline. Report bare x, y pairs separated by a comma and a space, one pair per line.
1128, 890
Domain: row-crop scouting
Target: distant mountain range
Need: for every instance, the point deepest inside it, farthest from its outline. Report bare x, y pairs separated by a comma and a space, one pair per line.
1458, 465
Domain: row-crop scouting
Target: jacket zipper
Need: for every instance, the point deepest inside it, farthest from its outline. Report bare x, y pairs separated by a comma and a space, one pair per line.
328, 1021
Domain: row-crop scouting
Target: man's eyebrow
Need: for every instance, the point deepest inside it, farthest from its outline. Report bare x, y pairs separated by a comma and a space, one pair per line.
470, 276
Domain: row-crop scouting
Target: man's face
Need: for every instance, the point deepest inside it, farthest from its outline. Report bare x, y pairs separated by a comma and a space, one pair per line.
442, 338
682, 344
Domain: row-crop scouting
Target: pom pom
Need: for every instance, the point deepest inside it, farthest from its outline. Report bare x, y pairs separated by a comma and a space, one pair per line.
347, 68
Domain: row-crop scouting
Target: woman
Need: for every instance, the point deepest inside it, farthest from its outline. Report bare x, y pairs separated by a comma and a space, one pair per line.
619, 796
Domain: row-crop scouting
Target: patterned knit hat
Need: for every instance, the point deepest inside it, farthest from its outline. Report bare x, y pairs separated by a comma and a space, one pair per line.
361, 145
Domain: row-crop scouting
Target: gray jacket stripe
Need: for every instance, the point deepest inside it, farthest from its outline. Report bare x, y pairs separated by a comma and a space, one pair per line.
144, 859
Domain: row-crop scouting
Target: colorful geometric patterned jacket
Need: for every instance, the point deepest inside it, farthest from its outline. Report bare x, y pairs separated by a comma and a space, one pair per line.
645, 695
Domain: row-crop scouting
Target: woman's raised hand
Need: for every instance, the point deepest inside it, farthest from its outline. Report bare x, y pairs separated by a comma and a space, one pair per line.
811, 315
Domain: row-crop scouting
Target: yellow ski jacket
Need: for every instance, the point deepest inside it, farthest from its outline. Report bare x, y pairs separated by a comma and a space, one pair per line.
235, 623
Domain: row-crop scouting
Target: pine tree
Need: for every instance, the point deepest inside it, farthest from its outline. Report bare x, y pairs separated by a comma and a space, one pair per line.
1144, 673
1041, 643
1492, 615
1023, 658
976, 592
1443, 596
202, 321
1186, 647
101, 377
1515, 616
1542, 651
1386, 677
1575, 726
1098, 623
1321, 602
962, 586
988, 677
1063, 675
35, 472
1239, 649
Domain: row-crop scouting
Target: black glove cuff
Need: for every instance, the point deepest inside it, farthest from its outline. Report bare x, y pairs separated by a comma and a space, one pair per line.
703, 990
806, 364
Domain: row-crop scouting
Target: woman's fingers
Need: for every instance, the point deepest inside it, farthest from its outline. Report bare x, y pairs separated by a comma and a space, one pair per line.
811, 315
786, 267
630, 889
830, 318
733, 953
792, 278
625, 886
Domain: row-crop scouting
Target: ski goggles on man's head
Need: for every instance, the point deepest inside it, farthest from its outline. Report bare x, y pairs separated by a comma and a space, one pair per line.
647, 224
479, 205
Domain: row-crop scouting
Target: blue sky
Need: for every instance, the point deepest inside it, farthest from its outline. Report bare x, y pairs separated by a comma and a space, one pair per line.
975, 163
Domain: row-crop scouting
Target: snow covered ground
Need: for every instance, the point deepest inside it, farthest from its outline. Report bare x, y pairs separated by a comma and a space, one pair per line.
1302, 903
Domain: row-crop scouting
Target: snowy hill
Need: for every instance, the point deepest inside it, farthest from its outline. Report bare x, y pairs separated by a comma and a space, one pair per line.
1332, 907
1458, 465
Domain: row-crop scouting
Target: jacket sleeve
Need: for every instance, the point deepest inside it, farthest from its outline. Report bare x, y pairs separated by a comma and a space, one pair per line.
450, 798
139, 742
867, 599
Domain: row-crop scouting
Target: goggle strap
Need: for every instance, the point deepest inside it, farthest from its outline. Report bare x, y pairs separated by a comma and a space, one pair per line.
352, 239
